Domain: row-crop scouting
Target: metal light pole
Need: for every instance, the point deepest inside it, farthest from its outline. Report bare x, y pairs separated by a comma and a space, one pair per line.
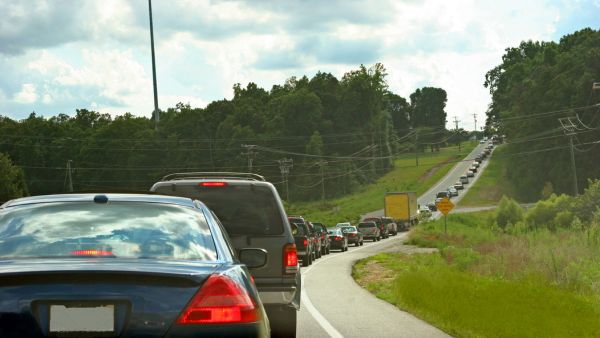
156, 111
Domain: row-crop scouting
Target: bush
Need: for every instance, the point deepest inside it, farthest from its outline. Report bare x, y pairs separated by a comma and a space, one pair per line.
587, 203
551, 213
509, 212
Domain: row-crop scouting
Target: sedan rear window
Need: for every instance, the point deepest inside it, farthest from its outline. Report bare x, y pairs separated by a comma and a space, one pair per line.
113, 230
243, 209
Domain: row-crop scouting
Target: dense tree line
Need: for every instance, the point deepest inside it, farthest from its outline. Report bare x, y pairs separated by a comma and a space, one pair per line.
346, 130
537, 84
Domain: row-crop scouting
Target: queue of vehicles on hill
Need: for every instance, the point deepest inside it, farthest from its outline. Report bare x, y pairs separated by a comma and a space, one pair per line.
454, 189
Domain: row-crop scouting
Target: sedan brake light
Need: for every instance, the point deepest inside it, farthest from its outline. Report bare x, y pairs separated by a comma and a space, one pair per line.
290, 258
220, 300
92, 252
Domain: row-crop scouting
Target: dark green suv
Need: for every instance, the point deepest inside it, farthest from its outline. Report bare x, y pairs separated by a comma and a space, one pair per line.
253, 215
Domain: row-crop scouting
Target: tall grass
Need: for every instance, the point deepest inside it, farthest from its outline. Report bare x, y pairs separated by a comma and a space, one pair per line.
467, 304
569, 258
485, 281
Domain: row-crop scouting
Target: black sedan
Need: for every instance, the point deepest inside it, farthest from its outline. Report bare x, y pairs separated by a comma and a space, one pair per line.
123, 266
337, 239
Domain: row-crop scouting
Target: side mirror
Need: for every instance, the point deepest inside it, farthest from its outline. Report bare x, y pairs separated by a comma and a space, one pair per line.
253, 258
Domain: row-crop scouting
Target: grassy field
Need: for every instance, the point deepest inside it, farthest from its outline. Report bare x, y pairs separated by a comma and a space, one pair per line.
404, 177
484, 282
493, 183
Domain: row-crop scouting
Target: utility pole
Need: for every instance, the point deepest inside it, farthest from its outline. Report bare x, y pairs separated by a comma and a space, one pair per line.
475, 118
69, 177
417, 146
285, 164
456, 129
250, 153
322, 164
156, 111
570, 128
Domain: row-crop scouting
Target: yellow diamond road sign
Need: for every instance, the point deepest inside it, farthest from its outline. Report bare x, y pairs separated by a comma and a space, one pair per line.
444, 206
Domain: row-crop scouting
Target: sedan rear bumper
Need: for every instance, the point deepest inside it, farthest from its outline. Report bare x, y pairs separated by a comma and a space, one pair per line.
337, 245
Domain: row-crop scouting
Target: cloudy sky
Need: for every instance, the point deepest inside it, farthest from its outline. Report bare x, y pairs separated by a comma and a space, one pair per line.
60, 55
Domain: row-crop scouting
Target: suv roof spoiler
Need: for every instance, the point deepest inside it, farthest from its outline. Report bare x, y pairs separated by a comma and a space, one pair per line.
222, 175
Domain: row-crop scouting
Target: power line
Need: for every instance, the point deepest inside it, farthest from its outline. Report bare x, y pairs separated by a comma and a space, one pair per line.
549, 113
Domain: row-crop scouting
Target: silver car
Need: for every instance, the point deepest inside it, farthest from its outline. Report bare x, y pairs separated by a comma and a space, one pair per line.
369, 230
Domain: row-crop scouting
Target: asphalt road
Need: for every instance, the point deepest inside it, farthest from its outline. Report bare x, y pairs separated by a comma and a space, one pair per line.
333, 305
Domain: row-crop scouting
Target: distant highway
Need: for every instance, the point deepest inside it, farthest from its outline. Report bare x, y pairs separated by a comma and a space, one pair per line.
333, 305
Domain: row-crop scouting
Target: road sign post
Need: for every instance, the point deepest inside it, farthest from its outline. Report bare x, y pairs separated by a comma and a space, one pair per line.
444, 206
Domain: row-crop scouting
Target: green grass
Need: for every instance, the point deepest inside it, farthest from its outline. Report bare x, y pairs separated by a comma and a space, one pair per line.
484, 282
404, 177
493, 183
466, 304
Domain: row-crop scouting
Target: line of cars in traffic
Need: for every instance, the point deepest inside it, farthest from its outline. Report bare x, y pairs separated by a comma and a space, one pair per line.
314, 240
454, 189
201, 253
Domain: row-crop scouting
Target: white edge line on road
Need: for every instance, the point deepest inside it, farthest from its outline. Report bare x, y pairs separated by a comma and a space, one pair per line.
324, 323
321, 320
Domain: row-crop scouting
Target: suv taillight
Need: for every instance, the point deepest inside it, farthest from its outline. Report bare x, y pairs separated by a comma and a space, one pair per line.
220, 300
305, 242
290, 258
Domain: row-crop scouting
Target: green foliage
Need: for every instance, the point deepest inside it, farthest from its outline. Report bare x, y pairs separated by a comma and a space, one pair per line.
588, 203
509, 212
12, 180
551, 213
345, 121
539, 77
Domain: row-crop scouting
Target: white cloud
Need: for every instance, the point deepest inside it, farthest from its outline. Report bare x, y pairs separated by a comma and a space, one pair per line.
204, 47
27, 95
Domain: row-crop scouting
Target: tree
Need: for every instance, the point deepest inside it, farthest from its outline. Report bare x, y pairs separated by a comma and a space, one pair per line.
533, 79
12, 180
427, 107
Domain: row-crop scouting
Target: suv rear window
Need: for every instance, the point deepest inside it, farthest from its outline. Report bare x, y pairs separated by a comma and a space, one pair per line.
366, 225
243, 209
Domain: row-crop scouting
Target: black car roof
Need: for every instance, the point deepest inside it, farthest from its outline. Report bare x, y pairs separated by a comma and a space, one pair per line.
90, 198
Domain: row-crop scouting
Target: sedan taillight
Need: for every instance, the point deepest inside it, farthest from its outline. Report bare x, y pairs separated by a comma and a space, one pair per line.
220, 300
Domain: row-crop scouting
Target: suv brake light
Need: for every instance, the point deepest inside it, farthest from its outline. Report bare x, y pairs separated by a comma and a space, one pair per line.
213, 184
290, 258
220, 300
305, 242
